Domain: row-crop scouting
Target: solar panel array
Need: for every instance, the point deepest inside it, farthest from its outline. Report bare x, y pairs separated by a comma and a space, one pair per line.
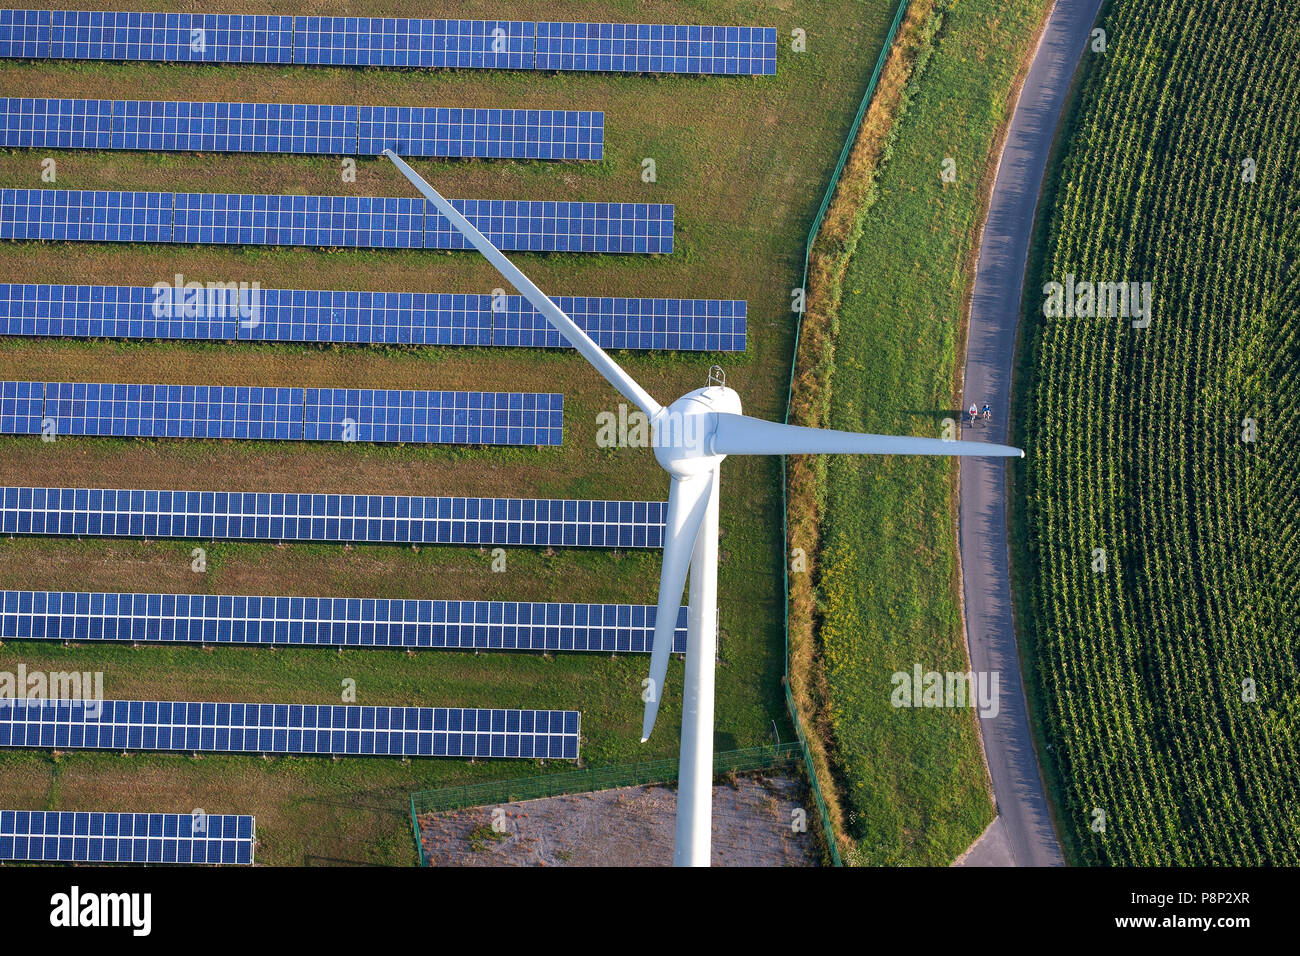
330, 622
331, 221
390, 42
288, 728
414, 318
301, 128
265, 516
53, 836
282, 414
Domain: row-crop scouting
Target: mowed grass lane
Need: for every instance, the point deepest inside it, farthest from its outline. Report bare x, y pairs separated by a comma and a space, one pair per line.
744, 160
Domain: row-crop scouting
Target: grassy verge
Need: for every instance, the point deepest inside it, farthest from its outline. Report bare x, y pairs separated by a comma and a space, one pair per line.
744, 160
911, 782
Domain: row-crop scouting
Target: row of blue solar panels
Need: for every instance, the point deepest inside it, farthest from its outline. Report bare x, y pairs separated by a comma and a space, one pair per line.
168, 125
330, 622
288, 728
391, 42
655, 48
398, 519
331, 221
53, 836
457, 418
412, 318
283, 414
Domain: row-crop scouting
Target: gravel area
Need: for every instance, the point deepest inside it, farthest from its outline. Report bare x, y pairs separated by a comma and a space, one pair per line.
630, 826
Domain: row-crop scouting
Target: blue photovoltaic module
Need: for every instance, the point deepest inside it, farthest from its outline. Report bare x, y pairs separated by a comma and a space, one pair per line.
394, 519
288, 728
330, 622
53, 836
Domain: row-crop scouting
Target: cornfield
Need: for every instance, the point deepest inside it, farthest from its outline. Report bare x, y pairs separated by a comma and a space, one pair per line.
1161, 501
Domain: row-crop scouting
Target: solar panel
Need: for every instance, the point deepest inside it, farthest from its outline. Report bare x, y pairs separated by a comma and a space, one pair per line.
119, 312
482, 133
24, 34
283, 414
172, 37
265, 516
288, 728
20, 407
85, 215
699, 325
406, 318
474, 44
456, 418
58, 124
331, 221
656, 48
53, 836
330, 622
398, 42
234, 127
175, 411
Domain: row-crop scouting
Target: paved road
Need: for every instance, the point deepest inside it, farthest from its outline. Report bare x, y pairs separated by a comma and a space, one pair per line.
1024, 835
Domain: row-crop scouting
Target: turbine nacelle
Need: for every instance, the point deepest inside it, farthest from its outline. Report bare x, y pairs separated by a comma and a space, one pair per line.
684, 431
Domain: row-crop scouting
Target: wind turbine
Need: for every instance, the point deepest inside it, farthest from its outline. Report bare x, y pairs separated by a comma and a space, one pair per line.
692, 437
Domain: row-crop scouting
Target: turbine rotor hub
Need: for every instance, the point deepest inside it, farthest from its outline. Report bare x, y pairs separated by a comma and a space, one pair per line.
683, 432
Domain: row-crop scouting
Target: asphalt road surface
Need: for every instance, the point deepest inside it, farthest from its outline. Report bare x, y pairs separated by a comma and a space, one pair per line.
1023, 834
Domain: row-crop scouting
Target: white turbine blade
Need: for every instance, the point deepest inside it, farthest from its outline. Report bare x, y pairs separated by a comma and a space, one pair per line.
688, 499
575, 336
742, 435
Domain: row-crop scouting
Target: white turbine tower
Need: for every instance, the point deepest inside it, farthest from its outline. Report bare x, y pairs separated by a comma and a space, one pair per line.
704, 427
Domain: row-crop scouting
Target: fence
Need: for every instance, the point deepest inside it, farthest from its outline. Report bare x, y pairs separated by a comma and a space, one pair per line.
794, 361
497, 792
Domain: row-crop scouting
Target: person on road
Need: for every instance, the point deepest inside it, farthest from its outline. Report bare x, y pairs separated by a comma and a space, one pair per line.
972, 413
986, 413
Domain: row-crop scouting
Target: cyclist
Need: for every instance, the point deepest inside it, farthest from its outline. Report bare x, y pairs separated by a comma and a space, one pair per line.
986, 413
973, 413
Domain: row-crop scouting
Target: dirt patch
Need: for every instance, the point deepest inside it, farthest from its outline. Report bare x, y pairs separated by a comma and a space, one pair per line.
629, 826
